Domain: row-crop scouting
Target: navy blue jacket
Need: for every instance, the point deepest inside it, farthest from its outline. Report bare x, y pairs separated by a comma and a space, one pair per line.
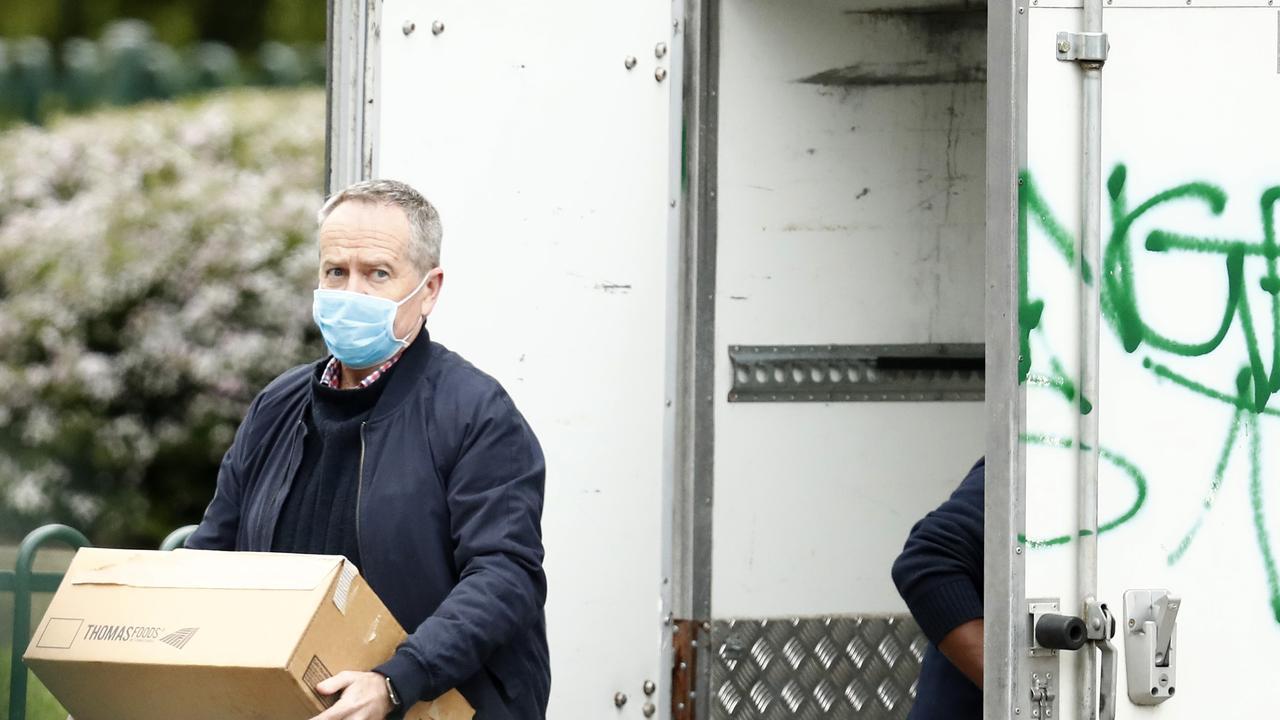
939, 574
448, 523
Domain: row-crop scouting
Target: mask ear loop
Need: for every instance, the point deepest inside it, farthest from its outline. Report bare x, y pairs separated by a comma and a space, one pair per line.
405, 341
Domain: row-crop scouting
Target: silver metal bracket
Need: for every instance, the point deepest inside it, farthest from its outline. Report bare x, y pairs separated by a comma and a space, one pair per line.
1042, 665
1151, 645
1089, 48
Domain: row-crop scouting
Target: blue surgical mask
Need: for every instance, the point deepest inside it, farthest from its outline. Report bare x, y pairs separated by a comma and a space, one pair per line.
359, 329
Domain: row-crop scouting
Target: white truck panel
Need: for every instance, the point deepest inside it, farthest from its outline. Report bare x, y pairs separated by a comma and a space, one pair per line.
552, 166
1190, 101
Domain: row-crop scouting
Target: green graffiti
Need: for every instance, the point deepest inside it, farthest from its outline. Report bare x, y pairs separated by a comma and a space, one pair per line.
1128, 468
1254, 385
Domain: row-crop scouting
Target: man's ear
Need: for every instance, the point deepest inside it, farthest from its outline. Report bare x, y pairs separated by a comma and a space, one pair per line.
435, 281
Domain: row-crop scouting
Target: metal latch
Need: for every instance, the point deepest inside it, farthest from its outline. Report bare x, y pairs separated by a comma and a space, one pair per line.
1083, 47
1101, 628
1151, 645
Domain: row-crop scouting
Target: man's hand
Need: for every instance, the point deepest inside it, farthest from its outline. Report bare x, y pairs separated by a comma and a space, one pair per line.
364, 696
963, 647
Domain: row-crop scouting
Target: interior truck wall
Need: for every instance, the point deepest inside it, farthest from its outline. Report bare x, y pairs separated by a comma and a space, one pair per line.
553, 166
1189, 426
851, 211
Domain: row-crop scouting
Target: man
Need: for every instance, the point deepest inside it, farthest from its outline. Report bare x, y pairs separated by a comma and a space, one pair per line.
416, 466
939, 574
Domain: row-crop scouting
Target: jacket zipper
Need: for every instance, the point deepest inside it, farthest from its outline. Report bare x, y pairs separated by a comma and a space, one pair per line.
359, 494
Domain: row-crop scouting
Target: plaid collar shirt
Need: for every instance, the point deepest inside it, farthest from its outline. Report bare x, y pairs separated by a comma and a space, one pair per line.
332, 375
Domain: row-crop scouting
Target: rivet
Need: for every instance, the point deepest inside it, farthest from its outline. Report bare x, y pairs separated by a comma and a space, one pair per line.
408, 27
437, 27
630, 62
680, 707
673, 203
649, 687
1132, 622
660, 50
1017, 550
660, 74
1022, 11
619, 699
648, 709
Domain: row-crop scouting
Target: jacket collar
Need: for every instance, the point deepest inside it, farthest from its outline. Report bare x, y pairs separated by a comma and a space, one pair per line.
406, 375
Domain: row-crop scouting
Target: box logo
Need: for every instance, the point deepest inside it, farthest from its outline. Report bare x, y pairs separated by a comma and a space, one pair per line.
179, 638
138, 633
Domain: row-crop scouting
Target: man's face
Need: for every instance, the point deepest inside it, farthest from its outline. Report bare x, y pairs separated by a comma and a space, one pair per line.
364, 248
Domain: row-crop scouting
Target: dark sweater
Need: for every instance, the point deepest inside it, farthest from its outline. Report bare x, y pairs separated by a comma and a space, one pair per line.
939, 575
319, 514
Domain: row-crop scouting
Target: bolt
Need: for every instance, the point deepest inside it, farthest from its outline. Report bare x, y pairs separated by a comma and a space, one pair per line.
1132, 622
1035, 713
437, 27
1096, 624
1048, 676
1017, 551
1063, 46
1017, 711
619, 700
673, 203
1164, 680
1022, 11
1048, 712
630, 62
660, 74
408, 27
648, 709
660, 50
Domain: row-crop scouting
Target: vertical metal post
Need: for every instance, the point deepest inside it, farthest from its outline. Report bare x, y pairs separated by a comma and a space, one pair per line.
351, 93
694, 487
1090, 266
31, 544
1005, 692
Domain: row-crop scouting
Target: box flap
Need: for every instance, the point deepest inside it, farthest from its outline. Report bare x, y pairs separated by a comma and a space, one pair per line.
202, 569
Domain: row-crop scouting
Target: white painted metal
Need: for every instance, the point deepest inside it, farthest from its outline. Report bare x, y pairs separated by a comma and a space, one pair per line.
1204, 513
553, 167
847, 214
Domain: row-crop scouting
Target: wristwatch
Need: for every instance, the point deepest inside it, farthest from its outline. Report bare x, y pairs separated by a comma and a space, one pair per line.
391, 692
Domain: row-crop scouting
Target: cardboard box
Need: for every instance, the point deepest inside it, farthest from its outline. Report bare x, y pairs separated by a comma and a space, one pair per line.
199, 635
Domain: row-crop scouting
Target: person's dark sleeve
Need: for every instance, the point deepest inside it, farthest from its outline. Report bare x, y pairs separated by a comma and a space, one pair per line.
939, 573
220, 525
495, 492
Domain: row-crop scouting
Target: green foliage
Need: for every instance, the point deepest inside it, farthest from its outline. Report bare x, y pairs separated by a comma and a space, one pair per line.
154, 273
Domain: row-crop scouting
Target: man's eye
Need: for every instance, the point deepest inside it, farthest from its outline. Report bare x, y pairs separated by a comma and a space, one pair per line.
381, 274
333, 272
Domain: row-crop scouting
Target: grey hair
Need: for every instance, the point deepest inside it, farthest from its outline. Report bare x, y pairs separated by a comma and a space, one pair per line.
425, 231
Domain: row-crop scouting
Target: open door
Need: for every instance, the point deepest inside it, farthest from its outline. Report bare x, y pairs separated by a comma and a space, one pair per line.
1189, 361
548, 135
